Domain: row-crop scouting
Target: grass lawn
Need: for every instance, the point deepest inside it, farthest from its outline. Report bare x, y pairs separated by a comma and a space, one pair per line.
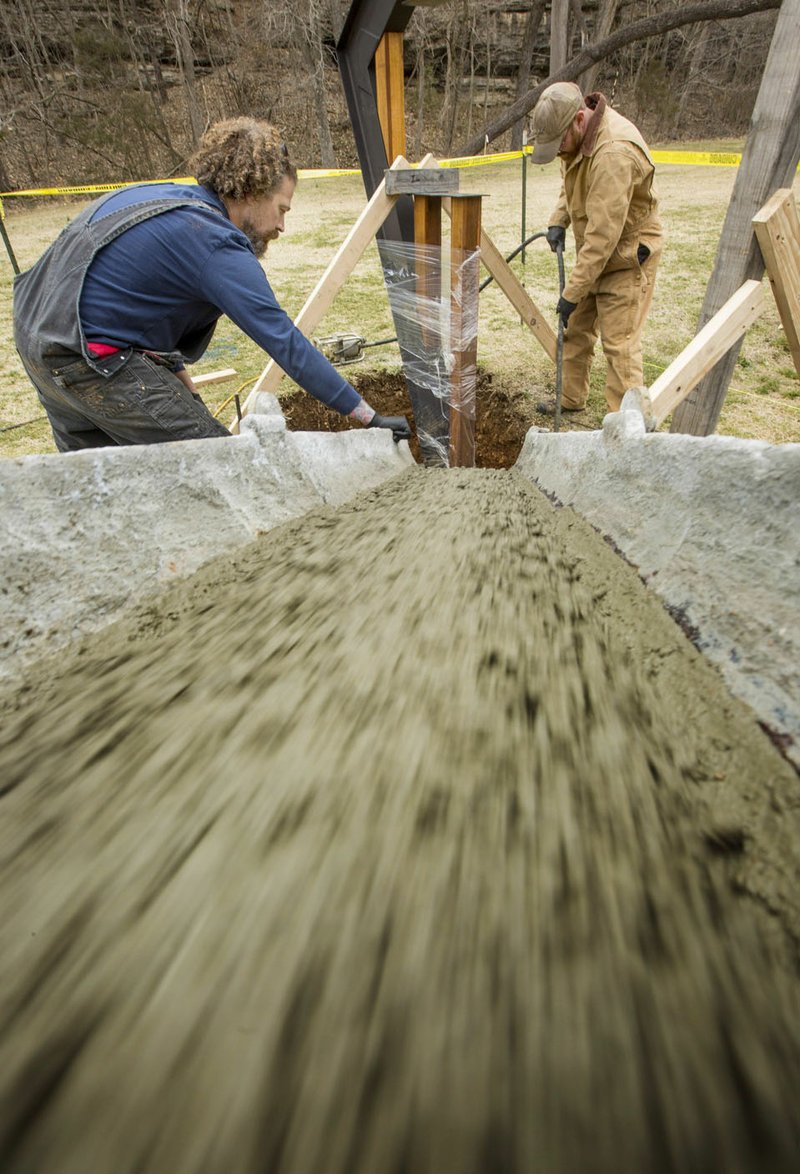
764, 397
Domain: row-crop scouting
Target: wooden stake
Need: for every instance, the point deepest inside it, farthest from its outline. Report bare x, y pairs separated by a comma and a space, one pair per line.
464, 271
778, 231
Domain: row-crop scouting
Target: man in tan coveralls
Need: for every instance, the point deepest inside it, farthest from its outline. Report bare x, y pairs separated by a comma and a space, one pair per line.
607, 195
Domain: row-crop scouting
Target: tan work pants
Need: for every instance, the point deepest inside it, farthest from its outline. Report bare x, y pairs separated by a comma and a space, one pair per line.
617, 310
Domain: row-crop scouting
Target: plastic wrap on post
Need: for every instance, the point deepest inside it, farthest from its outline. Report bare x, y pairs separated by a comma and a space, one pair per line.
437, 331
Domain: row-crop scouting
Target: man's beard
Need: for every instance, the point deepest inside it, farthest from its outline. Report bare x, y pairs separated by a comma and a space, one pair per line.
258, 240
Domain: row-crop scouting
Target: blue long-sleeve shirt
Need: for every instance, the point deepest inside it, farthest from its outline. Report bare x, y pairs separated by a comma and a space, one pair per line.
176, 273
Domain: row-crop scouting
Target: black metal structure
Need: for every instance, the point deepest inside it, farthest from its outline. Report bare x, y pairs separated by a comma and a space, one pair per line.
366, 23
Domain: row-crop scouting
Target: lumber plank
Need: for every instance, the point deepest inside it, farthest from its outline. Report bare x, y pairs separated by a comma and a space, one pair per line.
723, 331
214, 376
440, 181
777, 229
515, 291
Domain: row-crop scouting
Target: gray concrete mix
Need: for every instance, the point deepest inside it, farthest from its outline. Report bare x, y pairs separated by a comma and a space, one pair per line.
84, 535
712, 524
414, 836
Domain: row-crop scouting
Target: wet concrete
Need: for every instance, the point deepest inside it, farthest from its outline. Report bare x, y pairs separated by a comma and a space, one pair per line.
414, 837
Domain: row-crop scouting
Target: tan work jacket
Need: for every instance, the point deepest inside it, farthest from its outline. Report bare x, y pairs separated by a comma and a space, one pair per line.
607, 194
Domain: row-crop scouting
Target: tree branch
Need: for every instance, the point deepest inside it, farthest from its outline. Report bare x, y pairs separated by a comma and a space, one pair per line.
651, 26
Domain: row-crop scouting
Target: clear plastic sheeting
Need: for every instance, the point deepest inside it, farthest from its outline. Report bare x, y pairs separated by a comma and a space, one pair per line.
433, 296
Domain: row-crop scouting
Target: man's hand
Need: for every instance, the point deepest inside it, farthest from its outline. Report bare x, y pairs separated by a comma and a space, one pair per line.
564, 309
401, 429
556, 235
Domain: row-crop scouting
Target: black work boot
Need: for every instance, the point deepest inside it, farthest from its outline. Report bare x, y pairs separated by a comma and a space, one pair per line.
548, 408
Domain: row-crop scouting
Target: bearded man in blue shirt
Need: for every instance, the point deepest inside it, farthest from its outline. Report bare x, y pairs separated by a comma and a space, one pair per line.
132, 290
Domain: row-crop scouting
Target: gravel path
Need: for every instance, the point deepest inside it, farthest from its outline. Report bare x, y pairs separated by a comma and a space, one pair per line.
416, 838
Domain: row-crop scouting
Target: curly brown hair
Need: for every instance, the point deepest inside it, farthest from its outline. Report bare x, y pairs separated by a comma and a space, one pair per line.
242, 157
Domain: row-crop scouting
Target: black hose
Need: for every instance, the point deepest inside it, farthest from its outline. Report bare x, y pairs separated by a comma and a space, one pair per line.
536, 236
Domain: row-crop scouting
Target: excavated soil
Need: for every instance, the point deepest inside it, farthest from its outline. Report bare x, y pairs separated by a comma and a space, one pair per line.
502, 416
414, 838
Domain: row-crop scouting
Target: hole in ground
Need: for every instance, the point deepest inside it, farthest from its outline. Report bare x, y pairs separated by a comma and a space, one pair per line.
503, 416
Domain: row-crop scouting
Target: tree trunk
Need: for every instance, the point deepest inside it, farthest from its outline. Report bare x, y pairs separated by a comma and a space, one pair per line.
559, 32
532, 23
769, 162
605, 22
419, 131
179, 25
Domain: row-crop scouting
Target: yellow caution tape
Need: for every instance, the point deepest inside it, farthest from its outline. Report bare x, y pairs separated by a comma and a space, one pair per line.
2, 211
310, 173
688, 158
698, 158
95, 187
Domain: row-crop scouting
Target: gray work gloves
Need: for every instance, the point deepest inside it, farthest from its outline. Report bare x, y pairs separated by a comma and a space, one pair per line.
401, 429
564, 309
556, 235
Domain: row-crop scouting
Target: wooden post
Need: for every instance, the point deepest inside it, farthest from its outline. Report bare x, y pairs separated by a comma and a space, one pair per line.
778, 232
769, 162
428, 236
464, 271
390, 93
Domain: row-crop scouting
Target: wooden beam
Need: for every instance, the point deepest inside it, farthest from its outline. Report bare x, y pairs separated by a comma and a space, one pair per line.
428, 240
214, 376
516, 293
769, 162
390, 93
465, 235
778, 233
725, 329
341, 266
439, 181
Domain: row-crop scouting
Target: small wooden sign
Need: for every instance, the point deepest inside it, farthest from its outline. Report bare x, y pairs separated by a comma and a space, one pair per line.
432, 181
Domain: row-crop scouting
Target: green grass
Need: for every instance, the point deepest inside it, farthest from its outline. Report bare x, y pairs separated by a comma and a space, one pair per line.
763, 401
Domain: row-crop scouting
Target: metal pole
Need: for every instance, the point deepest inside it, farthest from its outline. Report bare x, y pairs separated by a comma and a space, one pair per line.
6, 241
559, 341
524, 192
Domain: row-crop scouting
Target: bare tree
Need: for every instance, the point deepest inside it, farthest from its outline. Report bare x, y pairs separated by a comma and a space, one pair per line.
590, 54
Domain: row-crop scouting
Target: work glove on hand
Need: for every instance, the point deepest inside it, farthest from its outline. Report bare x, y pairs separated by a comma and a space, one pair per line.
401, 429
556, 235
564, 309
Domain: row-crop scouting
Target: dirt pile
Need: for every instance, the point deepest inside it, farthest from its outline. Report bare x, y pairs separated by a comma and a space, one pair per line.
502, 416
414, 838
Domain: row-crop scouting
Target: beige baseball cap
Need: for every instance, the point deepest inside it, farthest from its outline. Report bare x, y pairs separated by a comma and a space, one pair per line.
552, 117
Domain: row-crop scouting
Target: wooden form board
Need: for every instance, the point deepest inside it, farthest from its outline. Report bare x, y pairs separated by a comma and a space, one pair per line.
390, 93
727, 327
777, 229
214, 376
